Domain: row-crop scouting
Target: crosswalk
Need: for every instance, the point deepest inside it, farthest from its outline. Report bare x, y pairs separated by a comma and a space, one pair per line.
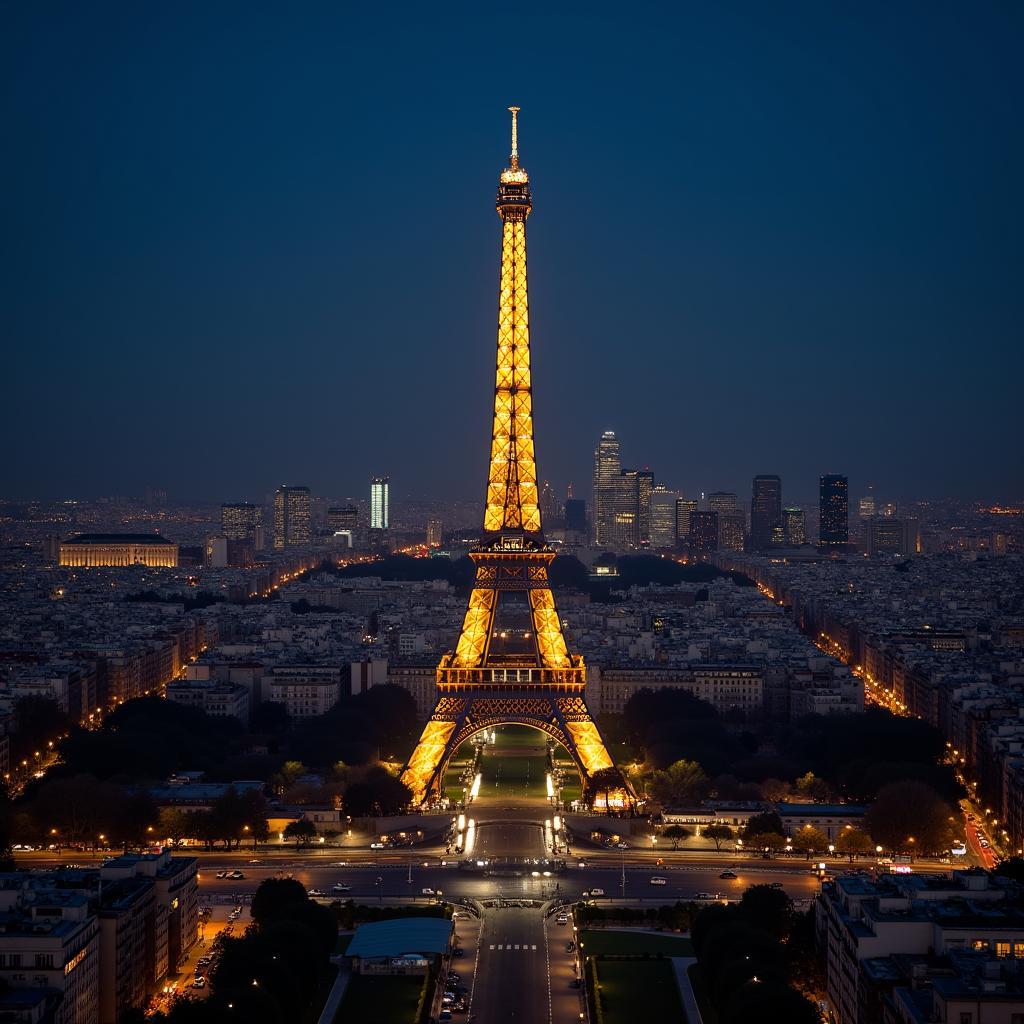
523, 947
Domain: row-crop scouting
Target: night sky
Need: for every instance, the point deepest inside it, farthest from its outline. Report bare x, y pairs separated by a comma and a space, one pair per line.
249, 245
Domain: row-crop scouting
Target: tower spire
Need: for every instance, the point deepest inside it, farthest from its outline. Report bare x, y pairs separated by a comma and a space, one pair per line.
514, 158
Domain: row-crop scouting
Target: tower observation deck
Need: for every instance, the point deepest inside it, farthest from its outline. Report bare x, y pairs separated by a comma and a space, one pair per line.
511, 663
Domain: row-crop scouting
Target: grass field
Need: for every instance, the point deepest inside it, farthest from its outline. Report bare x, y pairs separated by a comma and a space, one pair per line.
599, 941
384, 1000
519, 736
514, 776
638, 990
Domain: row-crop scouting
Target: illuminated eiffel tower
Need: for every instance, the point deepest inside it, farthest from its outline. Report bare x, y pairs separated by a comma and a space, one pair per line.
511, 664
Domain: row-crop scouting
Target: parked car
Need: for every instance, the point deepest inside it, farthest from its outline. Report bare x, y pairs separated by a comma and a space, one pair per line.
200, 982
727, 874
562, 919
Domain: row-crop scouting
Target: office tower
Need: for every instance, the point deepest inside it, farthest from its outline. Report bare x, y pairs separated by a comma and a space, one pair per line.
866, 506
379, 500
793, 527
731, 529
576, 516
703, 532
765, 512
548, 502
607, 470
291, 516
889, 508
663, 517
644, 486
833, 511
496, 673
685, 507
892, 535
723, 501
240, 520
624, 528
342, 517
434, 533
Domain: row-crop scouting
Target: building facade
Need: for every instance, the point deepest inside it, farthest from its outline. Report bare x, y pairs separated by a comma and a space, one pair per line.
292, 517
833, 511
119, 549
765, 512
380, 503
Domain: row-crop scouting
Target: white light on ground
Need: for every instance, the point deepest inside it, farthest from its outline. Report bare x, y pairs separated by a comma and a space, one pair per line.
551, 787
470, 836
475, 789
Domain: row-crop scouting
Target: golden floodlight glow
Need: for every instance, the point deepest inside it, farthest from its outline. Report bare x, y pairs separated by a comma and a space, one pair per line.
488, 680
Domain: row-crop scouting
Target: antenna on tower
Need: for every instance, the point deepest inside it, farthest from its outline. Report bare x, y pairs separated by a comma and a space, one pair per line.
515, 136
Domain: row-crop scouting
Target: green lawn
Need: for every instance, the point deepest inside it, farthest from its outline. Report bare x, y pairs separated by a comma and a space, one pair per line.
514, 776
638, 990
519, 736
599, 941
384, 1000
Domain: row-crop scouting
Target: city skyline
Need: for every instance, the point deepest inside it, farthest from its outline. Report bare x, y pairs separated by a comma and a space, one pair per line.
775, 215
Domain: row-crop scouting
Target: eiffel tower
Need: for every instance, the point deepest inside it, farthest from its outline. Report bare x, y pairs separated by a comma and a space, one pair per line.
511, 663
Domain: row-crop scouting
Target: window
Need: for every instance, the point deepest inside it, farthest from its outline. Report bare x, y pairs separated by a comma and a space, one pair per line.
44, 959
1002, 949
979, 944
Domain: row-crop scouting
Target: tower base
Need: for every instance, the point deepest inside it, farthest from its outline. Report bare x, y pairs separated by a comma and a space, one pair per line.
457, 718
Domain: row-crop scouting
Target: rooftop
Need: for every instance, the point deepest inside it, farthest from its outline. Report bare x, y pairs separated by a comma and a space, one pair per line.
118, 538
424, 935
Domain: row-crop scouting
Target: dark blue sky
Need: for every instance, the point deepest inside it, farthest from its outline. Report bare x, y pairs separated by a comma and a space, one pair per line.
246, 246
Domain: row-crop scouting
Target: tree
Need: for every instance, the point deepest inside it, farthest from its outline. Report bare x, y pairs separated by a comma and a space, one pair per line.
683, 782
767, 821
40, 723
768, 1002
677, 833
376, 791
810, 839
810, 787
271, 717
1010, 867
774, 789
765, 841
718, 834
854, 842
766, 908
173, 823
302, 831
910, 816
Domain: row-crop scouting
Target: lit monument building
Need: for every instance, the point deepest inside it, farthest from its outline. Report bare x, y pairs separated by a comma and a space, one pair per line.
511, 663
119, 549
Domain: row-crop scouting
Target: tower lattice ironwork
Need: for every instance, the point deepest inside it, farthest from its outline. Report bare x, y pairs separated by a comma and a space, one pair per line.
511, 663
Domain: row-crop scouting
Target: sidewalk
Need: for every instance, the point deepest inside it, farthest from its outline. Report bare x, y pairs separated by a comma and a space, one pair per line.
681, 965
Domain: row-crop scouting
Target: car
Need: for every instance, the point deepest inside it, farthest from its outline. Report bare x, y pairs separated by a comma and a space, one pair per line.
315, 892
706, 897
427, 891
727, 874
658, 880
200, 982
570, 947
622, 846
597, 892
777, 885
341, 887
562, 919
235, 874
339, 864
255, 860
582, 864
222, 874
378, 846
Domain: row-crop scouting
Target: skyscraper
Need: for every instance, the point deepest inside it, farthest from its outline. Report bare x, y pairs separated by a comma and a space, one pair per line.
663, 517
765, 511
685, 507
866, 506
434, 533
833, 511
576, 516
607, 470
644, 487
240, 520
291, 516
732, 525
703, 532
793, 527
342, 517
723, 501
379, 502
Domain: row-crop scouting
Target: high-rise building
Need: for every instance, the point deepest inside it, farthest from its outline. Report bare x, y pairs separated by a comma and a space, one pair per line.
548, 501
342, 517
731, 529
833, 511
765, 512
291, 516
723, 501
240, 520
892, 535
793, 527
685, 507
435, 533
703, 532
624, 529
644, 487
379, 501
607, 470
663, 517
576, 516
866, 506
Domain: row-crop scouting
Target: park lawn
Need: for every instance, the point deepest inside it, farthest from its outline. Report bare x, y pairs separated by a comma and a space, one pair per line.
603, 941
519, 736
571, 791
384, 1000
638, 990
519, 776
453, 783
